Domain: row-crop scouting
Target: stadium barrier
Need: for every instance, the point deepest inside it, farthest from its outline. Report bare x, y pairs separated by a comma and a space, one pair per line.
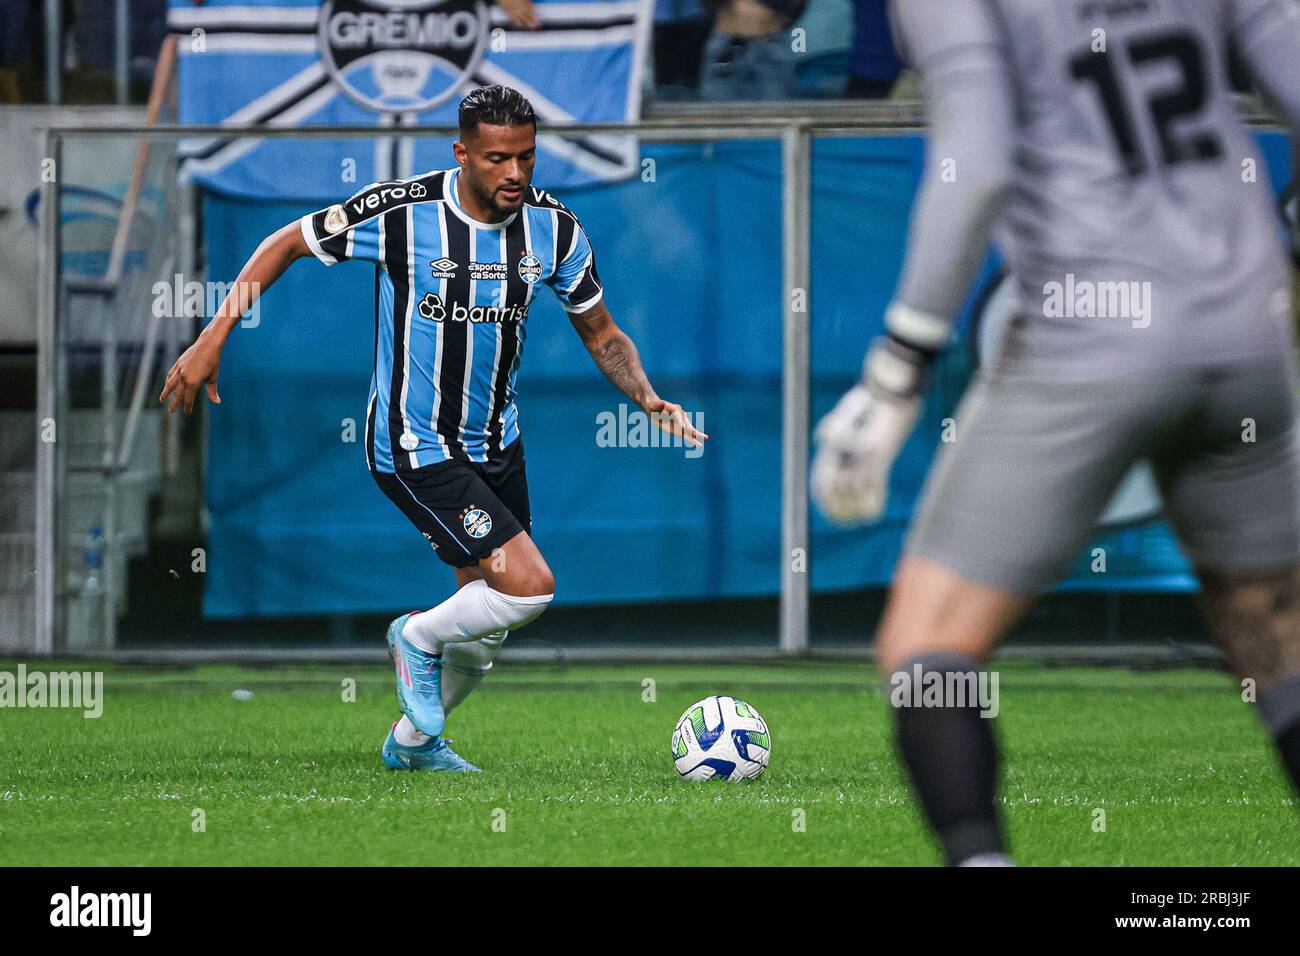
794, 128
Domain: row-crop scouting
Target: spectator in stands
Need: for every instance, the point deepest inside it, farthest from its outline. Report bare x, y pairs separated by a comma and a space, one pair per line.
15, 47
90, 57
875, 64
749, 56
681, 27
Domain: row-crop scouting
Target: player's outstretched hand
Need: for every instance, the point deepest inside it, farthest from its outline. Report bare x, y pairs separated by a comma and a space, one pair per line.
197, 367
673, 419
857, 444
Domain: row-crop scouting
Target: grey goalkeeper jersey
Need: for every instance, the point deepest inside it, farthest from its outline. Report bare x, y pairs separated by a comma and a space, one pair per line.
1098, 144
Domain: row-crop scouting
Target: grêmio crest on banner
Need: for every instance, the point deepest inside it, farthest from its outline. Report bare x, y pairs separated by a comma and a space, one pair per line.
396, 64
409, 57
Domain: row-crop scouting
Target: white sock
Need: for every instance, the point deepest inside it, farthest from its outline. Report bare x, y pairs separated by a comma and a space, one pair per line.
987, 859
408, 735
464, 666
474, 611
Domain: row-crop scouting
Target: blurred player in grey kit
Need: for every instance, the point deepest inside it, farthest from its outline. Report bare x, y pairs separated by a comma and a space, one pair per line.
1098, 144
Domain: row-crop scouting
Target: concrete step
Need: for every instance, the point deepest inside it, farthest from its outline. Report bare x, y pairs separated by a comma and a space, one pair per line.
17, 440
84, 627
17, 562
17, 501
84, 437
17, 623
83, 506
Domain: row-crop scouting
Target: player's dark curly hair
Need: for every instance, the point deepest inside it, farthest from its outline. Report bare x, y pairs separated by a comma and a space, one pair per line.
496, 106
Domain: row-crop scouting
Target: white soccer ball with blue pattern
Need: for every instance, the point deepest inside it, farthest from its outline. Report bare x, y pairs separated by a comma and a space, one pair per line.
721, 738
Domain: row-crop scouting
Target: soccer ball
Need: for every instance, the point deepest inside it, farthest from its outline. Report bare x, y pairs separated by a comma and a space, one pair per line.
721, 738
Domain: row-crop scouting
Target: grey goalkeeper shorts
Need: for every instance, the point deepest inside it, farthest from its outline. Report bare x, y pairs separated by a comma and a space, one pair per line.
1012, 501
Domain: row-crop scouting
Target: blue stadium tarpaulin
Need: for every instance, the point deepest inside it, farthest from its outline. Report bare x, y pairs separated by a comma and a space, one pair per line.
391, 65
692, 268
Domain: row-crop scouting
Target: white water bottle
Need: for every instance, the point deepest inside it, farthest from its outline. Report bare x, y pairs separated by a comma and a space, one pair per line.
93, 560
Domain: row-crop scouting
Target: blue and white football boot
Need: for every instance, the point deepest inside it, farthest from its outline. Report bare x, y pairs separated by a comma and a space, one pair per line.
433, 754
419, 680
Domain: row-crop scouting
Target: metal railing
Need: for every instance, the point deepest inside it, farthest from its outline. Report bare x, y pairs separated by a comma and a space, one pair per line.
793, 125
117, 292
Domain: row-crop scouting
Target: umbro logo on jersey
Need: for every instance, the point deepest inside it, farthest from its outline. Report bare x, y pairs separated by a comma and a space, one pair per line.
443, 268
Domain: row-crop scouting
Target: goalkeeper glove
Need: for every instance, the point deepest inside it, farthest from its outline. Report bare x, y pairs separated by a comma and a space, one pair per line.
860, 438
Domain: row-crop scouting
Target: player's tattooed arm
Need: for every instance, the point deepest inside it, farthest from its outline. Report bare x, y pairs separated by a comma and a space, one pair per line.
616, 355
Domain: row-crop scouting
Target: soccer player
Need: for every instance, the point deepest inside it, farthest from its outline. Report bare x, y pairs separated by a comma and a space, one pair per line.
459, 255
1096, 142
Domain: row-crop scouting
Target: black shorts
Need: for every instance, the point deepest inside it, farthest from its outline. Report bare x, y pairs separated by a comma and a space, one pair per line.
466, 509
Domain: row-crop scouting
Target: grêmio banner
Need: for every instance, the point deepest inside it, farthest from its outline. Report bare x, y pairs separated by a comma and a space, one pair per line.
395, 64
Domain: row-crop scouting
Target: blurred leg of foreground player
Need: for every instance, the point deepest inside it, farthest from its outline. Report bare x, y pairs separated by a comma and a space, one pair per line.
1103, 145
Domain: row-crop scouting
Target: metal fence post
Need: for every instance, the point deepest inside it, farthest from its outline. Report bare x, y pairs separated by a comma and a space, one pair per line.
122, 51
53, 51
47, 404
796, 163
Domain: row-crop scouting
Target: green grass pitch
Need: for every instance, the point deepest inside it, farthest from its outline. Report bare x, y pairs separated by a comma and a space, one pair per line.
578, 770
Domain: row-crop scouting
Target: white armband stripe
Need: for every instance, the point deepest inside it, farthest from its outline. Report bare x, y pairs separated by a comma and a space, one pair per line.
580, 307
917, 328
886, 370
309, 234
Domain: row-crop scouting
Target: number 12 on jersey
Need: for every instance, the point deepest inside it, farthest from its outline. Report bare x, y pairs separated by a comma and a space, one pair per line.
1185, 99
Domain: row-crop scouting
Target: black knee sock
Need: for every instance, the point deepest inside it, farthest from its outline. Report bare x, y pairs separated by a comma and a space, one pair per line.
1280, 708
952, 757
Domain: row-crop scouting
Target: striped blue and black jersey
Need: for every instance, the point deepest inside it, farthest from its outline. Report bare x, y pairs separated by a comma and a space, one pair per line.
452, 300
